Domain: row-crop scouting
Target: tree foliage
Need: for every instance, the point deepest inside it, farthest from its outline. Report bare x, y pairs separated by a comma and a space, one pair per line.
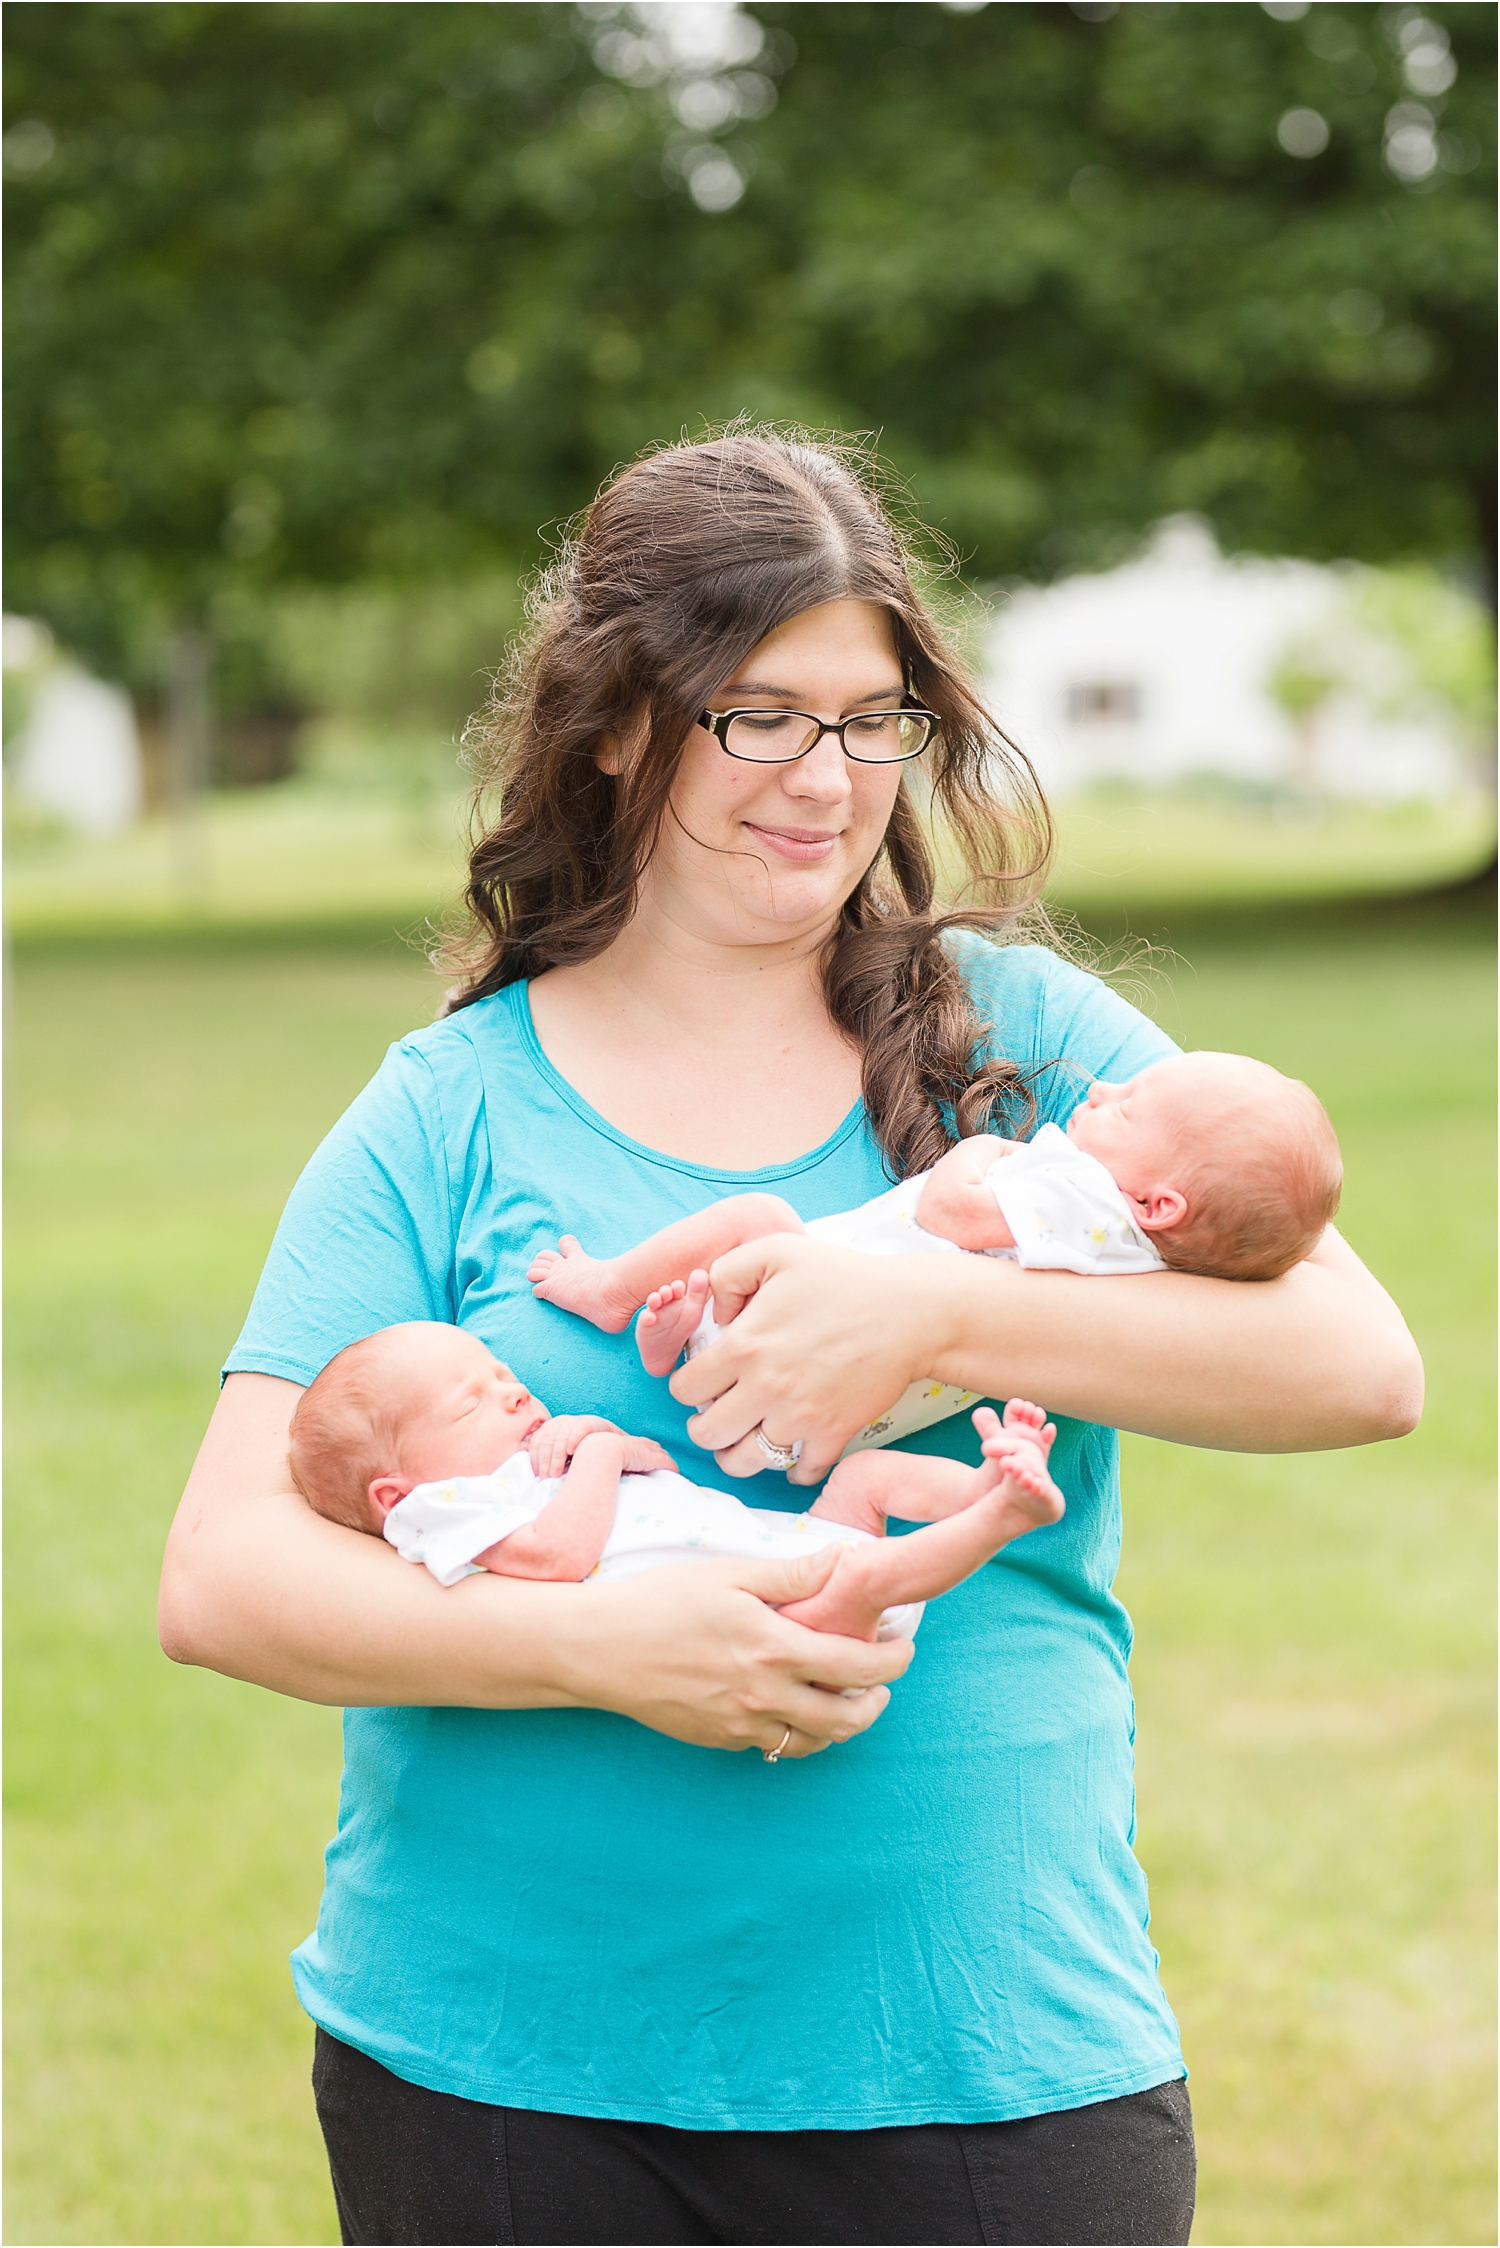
310, 294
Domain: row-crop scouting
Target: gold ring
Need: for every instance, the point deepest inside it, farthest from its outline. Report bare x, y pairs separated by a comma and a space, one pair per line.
773, 1755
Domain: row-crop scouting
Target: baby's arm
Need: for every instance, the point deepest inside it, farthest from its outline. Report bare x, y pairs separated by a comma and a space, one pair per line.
956, 1204
609, 1290
565, 1541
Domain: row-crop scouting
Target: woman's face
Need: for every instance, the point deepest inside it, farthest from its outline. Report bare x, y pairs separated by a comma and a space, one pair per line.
752, 853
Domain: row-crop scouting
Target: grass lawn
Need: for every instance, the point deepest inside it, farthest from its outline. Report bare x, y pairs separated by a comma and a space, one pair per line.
1315, 1665
321, 857
1313, 1672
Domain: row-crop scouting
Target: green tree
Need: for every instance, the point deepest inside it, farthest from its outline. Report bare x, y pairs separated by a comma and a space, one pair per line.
1063, 258
316, 294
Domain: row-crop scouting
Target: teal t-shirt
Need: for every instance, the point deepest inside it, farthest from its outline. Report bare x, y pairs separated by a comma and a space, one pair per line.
941, 1921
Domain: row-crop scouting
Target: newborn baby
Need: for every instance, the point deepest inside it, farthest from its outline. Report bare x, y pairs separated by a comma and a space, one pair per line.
1209, 1163
419, 1434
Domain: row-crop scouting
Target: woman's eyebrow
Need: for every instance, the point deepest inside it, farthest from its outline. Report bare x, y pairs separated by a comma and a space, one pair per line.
789, 694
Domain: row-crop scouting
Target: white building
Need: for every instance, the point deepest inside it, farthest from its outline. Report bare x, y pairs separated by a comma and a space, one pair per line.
79, 755
1161, 668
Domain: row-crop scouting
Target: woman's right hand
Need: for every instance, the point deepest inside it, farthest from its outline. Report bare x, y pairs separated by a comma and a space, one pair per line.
698, 1651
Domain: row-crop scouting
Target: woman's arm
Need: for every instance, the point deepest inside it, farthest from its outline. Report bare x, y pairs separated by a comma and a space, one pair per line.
1315, 1360
256, 1585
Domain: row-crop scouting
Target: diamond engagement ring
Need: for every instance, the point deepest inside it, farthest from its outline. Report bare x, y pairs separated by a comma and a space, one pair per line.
773, 1755
779, 1455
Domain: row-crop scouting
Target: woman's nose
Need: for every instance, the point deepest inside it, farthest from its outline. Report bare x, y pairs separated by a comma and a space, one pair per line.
823, 774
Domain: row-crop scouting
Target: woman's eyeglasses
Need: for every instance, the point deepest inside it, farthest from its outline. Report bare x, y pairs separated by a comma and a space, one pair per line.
780, 737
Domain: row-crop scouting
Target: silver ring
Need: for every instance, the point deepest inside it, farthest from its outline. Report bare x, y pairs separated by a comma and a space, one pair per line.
779, 1455
773, 1755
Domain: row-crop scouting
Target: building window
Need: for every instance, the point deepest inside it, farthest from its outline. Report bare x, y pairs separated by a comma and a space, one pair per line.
1103, 702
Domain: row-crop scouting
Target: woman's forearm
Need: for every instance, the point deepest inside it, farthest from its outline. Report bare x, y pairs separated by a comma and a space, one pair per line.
829, 1339
1318, 1359
255, 1585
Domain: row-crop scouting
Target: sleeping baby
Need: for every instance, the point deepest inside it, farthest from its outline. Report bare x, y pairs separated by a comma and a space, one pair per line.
418, 1434
1207, 1163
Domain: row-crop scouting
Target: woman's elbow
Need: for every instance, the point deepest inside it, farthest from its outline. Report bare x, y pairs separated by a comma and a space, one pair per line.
1404, 1407
174, 1627
183, 1613
1394, 1389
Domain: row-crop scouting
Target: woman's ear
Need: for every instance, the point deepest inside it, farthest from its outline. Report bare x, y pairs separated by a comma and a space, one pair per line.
611, 750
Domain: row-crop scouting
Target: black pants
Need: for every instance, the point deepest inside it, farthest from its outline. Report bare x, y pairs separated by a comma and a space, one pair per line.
415, 2167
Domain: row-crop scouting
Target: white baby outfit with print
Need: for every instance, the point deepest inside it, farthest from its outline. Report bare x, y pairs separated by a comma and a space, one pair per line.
1065, 1211
659, 1518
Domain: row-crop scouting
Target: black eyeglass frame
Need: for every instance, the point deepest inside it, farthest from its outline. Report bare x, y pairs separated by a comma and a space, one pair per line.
718, 723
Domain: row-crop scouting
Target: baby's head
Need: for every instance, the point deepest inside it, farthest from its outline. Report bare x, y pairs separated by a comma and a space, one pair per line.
412, 1404
1231, 1168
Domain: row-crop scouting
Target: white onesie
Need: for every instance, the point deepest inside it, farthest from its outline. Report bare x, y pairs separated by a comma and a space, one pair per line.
659, 1518
1065, 1211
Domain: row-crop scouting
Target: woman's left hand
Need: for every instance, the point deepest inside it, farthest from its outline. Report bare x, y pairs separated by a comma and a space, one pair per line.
817, 1345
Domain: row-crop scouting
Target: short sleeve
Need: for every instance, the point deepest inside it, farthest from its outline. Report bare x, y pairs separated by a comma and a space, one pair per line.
367, 1236
1060, 1023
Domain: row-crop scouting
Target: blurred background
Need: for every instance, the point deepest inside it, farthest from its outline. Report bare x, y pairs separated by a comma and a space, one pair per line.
1173, 326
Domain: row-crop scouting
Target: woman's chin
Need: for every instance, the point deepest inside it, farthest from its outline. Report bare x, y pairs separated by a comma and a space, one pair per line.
797, 899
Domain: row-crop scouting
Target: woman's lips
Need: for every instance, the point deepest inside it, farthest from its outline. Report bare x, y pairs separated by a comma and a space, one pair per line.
809, 846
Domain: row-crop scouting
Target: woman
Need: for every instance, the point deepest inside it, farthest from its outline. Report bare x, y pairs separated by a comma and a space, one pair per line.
575, 1979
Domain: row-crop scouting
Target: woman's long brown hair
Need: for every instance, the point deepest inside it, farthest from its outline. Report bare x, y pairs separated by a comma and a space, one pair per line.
682, 565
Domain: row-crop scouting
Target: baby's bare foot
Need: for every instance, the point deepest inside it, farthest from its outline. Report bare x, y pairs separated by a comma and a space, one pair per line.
1020, 1413
667, 1324
1022, 1493
1014, 1476
590, 1286
1021, 1419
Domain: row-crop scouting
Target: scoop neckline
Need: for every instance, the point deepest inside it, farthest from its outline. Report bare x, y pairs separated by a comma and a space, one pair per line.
519, 995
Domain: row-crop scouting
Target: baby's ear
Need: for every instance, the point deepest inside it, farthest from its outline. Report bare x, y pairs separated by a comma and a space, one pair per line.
1164, 1206
385, 1490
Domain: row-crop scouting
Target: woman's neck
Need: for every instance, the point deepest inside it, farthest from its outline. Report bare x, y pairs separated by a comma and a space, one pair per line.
713, 993
722, 1054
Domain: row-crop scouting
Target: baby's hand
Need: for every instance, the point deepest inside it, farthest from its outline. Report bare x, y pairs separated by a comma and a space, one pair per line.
554, 1443
642, 1455
956, 1204
968, 1163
